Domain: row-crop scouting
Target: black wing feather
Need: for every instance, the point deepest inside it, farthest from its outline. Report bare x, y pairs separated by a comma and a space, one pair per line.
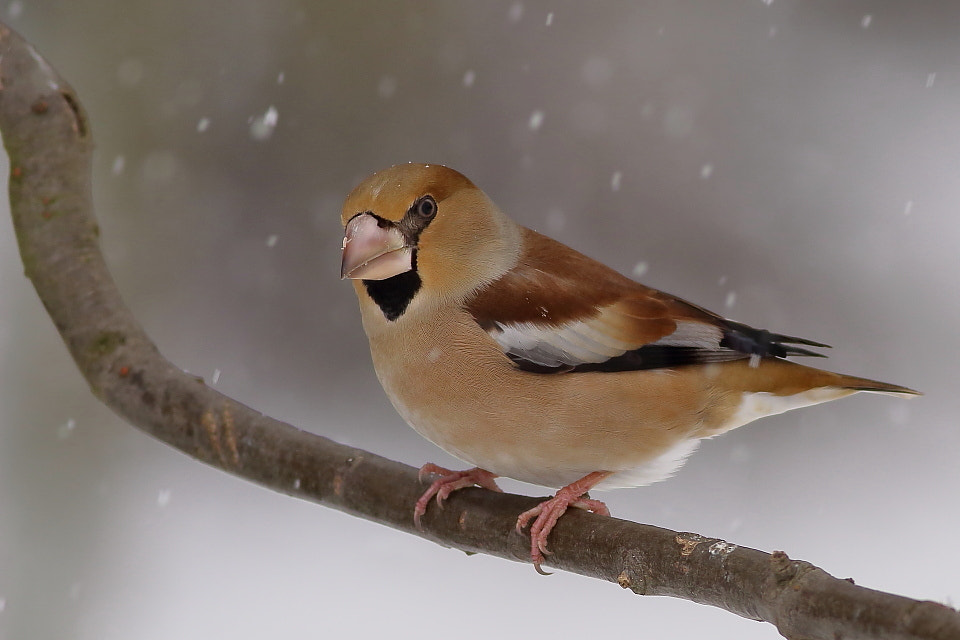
739, 341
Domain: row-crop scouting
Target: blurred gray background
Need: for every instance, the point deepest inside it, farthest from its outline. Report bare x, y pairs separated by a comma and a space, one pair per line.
790, 163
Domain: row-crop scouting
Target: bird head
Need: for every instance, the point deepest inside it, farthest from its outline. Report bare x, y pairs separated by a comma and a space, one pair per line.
428, 224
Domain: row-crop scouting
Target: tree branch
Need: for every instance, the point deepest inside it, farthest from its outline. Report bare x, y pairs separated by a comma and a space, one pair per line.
48, 138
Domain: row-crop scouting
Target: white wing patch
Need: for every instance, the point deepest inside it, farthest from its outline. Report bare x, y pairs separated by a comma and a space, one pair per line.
573, 344
577, 343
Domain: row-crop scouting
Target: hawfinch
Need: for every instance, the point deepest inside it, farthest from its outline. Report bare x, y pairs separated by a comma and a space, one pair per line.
529, 360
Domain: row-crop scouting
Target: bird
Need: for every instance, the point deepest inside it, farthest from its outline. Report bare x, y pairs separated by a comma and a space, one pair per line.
530, 360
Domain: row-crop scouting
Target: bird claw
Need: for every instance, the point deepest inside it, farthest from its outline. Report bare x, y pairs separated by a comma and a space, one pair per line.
546, 514
448, 482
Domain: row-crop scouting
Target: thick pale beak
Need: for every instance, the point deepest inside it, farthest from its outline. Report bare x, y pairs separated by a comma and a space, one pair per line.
372, 252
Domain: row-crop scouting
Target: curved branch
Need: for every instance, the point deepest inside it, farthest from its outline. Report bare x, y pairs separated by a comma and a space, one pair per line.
47, 136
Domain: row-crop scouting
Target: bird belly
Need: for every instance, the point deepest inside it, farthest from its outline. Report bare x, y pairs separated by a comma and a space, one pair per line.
538, 450
545, 429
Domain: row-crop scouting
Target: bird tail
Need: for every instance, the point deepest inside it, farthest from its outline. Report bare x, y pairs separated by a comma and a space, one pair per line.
875, 386
784, 378
773, 386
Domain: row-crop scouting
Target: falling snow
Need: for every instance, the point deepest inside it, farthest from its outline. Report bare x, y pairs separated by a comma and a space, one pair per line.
515, 13
281, 77
14, 10
163, 497
261, 128
536, 120
203, 124
118, 164
706, 171
64, 430
272, 240
469, 78
216, 376
639, 269
865, 22
550, 18
931, 78
731, 300
615, 180
908, 208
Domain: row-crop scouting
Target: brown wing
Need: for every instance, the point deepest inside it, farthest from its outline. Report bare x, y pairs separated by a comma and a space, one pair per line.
559, 310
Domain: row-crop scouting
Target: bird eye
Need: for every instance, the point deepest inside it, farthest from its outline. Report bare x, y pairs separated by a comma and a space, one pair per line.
426, 207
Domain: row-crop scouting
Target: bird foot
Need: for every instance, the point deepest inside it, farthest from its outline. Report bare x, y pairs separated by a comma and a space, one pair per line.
448, 482
548, 512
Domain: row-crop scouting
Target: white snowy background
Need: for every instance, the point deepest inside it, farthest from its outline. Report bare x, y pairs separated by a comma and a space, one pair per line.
790, 163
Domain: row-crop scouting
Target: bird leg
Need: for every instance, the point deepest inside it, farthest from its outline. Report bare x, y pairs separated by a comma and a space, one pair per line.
549, 511
449, 482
